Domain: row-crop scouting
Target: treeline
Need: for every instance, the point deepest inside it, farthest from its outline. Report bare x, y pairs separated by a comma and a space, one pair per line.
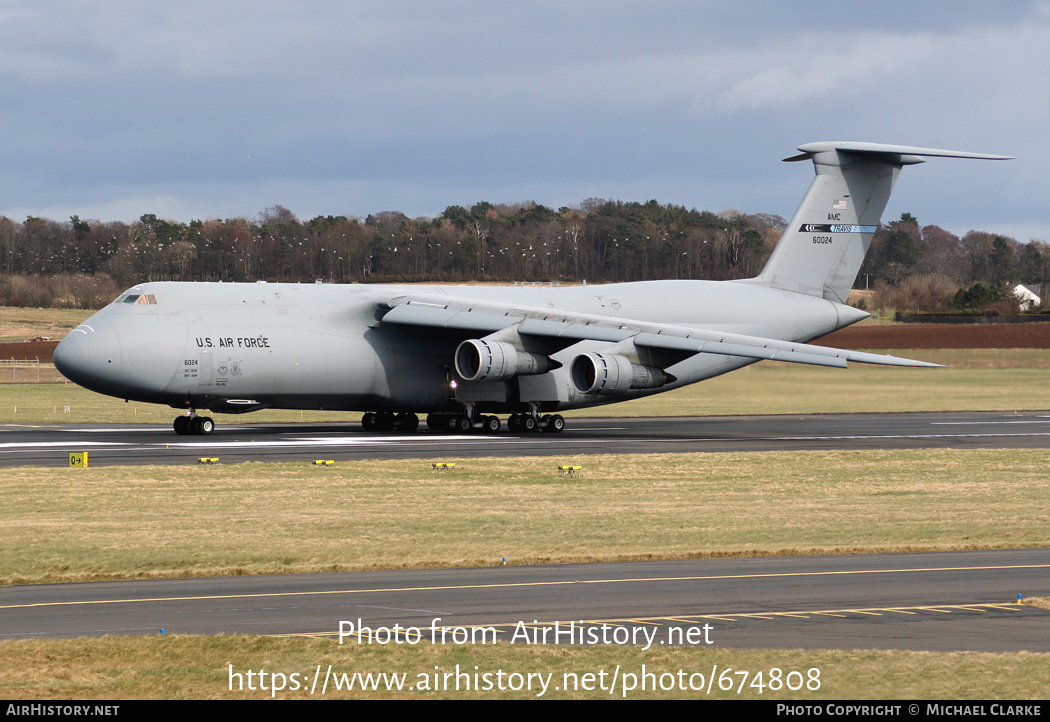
86, 263
926, 268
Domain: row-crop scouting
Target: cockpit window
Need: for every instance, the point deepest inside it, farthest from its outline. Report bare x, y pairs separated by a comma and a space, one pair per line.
140, 299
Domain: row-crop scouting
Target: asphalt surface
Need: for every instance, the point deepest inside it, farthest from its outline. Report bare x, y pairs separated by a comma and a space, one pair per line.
939, 601
50, 445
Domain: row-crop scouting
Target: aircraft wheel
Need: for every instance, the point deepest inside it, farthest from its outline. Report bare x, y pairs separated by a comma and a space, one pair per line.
464, 424
182, 425
202, 425
384, 421
512, 422
528, 423
407, 422
434, 422
368, 421
492, 424
556, 424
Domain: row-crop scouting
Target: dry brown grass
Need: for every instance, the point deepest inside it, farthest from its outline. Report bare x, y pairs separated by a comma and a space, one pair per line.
131, 522
199, 668
20, 324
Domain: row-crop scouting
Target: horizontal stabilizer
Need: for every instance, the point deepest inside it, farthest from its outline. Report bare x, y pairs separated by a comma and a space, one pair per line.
810, 149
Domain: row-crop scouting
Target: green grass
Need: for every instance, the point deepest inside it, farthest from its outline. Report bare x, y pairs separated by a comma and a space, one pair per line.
765, 388
768, 388
171, 521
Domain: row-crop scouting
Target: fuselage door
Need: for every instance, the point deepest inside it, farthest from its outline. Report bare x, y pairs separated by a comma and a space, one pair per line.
204, 375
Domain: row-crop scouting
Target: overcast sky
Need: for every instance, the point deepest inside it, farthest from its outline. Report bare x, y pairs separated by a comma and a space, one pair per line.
219, 109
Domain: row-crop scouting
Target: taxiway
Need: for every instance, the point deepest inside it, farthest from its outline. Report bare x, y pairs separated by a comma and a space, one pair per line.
938, 601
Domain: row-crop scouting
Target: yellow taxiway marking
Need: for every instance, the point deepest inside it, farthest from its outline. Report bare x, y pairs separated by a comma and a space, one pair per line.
511, 585
1012, 607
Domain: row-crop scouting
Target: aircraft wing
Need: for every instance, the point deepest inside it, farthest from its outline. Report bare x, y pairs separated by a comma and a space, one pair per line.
554, 329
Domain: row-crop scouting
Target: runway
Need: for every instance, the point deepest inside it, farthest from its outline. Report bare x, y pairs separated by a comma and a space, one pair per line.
50, 444
940, 601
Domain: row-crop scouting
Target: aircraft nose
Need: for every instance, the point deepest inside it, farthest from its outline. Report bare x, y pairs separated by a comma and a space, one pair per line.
90, 355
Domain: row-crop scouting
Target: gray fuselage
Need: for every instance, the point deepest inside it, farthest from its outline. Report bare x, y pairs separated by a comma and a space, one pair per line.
241, 347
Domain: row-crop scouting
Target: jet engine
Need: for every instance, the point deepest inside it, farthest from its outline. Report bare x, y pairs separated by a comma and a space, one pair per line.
612, 374
480, 360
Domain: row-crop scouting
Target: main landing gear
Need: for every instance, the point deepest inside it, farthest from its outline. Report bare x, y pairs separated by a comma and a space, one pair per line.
194, 425
387, 421
554, 423
463, 424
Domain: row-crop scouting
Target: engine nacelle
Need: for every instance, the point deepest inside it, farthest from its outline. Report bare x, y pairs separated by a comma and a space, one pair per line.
480, 360
611, 374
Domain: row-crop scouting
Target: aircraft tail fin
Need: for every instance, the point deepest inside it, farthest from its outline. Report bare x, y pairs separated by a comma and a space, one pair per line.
824, 245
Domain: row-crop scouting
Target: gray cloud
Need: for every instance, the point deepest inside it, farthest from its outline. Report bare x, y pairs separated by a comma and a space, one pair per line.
219, 109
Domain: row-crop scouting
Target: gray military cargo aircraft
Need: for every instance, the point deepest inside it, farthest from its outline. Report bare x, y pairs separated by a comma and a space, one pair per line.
464, 354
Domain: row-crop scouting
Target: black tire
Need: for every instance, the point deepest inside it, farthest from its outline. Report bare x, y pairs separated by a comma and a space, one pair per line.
463, 424
182, 425
556, 424
528, 423
492, 424
368, 421
407, 422
384, 421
